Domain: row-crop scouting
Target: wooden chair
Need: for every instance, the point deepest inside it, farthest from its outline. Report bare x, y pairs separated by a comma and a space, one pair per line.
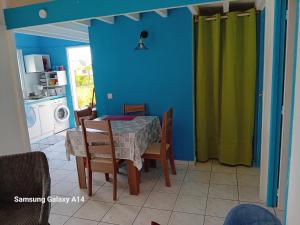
98, 139
136, 110
86, 114
164, 150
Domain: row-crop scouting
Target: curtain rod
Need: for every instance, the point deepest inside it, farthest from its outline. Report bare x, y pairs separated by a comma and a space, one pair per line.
222, 17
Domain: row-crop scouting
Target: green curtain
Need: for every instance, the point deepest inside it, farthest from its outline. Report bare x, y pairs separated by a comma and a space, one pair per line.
225, 88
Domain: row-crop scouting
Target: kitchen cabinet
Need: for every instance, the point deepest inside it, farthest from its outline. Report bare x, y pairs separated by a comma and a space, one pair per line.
46, 118
37, 63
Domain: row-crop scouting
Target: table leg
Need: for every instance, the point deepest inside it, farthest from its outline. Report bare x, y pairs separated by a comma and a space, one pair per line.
81, 172
133, 178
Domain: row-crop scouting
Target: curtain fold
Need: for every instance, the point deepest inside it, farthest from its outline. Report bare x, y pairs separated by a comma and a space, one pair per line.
225, 88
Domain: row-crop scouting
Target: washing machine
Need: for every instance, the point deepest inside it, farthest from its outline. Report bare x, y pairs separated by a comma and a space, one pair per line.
33, 121
61, 114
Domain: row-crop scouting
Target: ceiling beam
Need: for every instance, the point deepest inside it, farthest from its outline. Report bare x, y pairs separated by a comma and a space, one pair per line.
194, 9
42, 34
133, 16
107, 19
84, 23
162, 12
82, 10
72, 27
57, 32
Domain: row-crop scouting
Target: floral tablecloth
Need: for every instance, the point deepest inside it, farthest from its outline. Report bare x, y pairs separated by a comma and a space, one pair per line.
131, 138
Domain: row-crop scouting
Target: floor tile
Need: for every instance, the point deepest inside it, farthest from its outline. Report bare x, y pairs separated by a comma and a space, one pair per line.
77, 221
223, 178
60, 175
67, 209
219, 207
161, 200
105, 194
206, 166
280, 215
180, 174
248, 170
197, 176
63, 188
137, 200
161, 186
219, 168
93, 210
56, 164
83, 192
190, 204
249, 194
69, 165
210, 220
178, 218
55, 219
121, 214
248, 180
146, 216
194, 188
147, 185
223, 191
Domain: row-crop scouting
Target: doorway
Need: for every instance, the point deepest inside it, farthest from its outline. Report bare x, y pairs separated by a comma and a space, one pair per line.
81, 76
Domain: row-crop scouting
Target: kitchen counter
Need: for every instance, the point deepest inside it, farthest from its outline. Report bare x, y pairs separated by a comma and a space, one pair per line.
35, 101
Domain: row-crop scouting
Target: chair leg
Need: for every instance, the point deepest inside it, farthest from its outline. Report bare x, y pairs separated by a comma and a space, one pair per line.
146, 165
115, 187
164, 165
90, 183
172, 163
107, 177
153, 163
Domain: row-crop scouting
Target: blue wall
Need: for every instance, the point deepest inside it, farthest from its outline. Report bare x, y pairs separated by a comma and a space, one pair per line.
56, 48
28, 43
160, 77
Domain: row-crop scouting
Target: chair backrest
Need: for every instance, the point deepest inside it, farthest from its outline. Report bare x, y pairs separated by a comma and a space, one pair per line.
166, 130
98, 138
136, 110
83, 114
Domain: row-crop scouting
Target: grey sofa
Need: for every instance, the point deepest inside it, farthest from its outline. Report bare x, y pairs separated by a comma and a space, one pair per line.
24, 176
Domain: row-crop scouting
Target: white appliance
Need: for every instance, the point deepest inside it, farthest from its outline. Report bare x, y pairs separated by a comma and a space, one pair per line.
61, 114
33, 121
37, 63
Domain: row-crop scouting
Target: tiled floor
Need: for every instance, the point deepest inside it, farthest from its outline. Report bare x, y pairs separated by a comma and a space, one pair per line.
201, 194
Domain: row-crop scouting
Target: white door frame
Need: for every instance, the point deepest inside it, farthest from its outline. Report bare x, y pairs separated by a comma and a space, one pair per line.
287, 102
72, 77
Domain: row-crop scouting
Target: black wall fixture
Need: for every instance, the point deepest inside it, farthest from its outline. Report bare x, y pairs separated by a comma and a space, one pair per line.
141, 45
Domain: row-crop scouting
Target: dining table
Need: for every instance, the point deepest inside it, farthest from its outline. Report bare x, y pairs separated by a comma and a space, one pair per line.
131, 136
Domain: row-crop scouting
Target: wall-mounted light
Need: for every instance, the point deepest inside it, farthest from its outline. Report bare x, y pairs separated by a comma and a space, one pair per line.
43, 14
141, 44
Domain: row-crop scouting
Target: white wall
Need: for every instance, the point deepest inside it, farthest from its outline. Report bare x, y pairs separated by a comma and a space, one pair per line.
294, 179
267, 87
13, 129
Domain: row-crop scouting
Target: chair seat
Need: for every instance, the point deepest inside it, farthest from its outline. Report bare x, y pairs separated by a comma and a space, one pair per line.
20, 213
154, 149
103, 160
